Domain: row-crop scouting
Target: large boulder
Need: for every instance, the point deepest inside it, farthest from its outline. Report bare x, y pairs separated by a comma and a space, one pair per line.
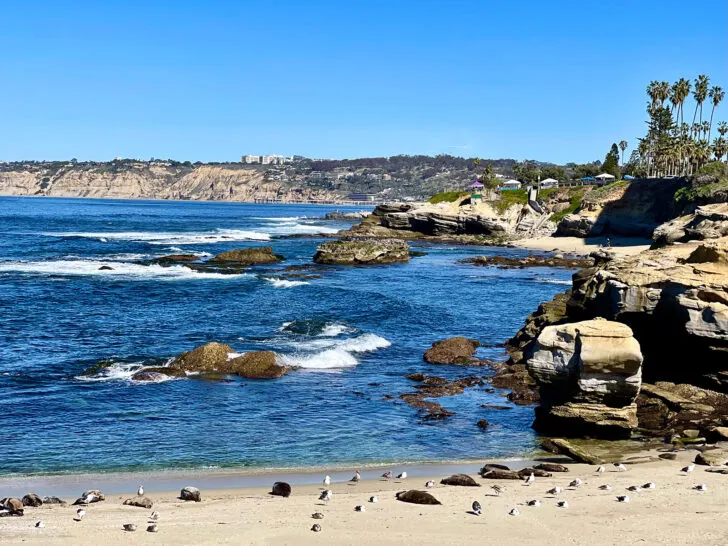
454, 350
590, 374
362, 252
206, 358
707, 222
247, 256
574, 225
256, 365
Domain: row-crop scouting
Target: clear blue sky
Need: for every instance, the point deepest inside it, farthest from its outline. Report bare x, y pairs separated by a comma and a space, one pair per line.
556, 81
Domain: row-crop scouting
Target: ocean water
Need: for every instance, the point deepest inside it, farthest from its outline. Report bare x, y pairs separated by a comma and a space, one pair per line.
352, 333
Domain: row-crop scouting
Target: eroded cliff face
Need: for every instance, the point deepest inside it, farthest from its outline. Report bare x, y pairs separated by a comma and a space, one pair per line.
140, 181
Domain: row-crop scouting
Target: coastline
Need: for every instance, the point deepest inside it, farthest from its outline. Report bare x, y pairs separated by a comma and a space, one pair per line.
620, 246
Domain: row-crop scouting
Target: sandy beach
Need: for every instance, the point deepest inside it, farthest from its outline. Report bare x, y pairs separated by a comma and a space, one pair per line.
672, 513
621, 246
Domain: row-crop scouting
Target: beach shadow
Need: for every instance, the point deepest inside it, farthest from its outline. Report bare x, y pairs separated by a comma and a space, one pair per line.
473, 513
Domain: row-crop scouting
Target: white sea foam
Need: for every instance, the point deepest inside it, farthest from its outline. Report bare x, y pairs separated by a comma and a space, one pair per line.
283, 283
296, 228
336, 353
123, 270
154, 238
122, 372
333, 329
554, 281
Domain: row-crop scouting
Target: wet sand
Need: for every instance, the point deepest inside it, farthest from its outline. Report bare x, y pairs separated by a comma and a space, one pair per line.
621, 246
673, 513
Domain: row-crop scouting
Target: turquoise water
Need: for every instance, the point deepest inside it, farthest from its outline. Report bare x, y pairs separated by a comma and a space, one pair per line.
352, 333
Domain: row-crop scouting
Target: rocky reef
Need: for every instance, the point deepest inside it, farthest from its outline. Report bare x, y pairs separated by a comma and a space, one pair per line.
362, 252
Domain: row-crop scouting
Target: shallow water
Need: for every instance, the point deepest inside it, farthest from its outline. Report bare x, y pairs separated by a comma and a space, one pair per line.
353, 333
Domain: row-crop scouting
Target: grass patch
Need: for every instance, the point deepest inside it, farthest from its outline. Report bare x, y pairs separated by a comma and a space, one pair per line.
604, 191
447, 197
509, 198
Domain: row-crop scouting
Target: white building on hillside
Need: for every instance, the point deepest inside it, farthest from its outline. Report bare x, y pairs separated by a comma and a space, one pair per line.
251, 159
549, 183
511, 185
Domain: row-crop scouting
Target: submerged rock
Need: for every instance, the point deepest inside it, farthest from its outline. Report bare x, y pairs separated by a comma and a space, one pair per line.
247, 256
362, 252
175, 259
256, 365
512, 262
564, 447
454, 350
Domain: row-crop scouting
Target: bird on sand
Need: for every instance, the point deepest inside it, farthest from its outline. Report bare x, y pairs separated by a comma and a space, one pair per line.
498, 489
514, 512
633, 488
154, 516
360, 508
152, 528
402, 476
429, 484
534, 502
605, 487
317, 515
326, 495
623, 498
140, 490
131, 527
649, 485
576, 483
88, 499
39, 524
600, 469
554, 491
373, 499
701, 487
620, 467
562, 504
356, 477
79, 514
316, 528
327, 480
530, 479
688, 468
477, 509
387, 475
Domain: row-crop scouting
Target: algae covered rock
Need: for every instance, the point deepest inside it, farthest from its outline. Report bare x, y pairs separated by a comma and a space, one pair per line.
362, 252
256, 365
206, 358
455, 350
247, 256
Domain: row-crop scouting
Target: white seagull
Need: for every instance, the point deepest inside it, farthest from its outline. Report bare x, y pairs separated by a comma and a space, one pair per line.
554, 491
633, 488
562, 504
429, 484
140, 490
402, 476
701, 487
530, 479
601, 469
623, 498
387, 475
514, 512
605, 487
154, 516
576, 483
356, 477
79, 514
649, 485
327, 480
39, 524
620, 467
326, 495
373, 499
360, 508
477, 509
688, 468
534, 502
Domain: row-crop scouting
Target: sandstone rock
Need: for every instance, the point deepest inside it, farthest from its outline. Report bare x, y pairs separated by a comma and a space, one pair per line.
707, 222
206, 358
455, 350
31, 499
281, 489
668, 456
417, 497
713, 457
256, 365
461, 480
583, 419
362, 252
564, 447
141, 502
247, 256
573, 225
718, 434
190, 494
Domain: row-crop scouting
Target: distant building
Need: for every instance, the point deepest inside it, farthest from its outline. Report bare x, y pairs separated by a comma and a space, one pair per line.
362, 196
549, 183
251, 159
511, 185
272, 159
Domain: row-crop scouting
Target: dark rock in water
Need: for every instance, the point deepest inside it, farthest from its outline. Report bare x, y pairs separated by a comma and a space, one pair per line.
190, 494
551, 467
146, 375
106, 268
538, 473
206, 358
175, 259
247, 256
14, 506
495, 407
31, 499
96, 368
418, 376
455, 350
496, 474
492, 466
511, 262
281, 489
417, 253
54, 500
256, 365
362, 252
157, 373
417, 497
483, 424
141, 502
460, 479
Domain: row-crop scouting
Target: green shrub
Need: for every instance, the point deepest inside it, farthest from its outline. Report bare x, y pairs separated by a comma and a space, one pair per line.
447, 197
509, 198
716, 168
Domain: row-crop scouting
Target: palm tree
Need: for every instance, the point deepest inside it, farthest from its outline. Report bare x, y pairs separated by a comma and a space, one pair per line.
683, 86
652, 92
674, 100
723, 128
720, 148
662, 92
700, 94
716, 95
622, 147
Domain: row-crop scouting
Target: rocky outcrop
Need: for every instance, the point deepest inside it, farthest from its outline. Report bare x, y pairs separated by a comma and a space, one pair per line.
455, 350
532, 260
247, 256
520, 347
220, 358
256, 365
362, 252
210, 357
707, 222
589, 375
575, 225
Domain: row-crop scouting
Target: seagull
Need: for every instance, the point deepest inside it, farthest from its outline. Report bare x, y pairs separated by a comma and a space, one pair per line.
326, 495
623, 498
387, 475
39, 524
534, 502
402, 476
633, 488
562, 504
327, 481
316, 528
129, 527
356, 477
688, 468
605, 487
152, 528
498, 489
79, 514
701, 487
554, 491
601, 469
649, 485
154, 516
514, 512
576, 483
620, 467
530, 479
429, 484
317, 515
360, 508
373, 499
140, 490
477, 509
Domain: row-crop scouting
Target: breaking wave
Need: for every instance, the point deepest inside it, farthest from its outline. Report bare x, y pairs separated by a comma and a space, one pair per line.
152, 238
339, 354
283, 283
120, 371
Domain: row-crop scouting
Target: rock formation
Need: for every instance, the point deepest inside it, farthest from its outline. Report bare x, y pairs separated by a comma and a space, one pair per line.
589, 375
216, 358
362, 252
247, 256
454, 350
707, 222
